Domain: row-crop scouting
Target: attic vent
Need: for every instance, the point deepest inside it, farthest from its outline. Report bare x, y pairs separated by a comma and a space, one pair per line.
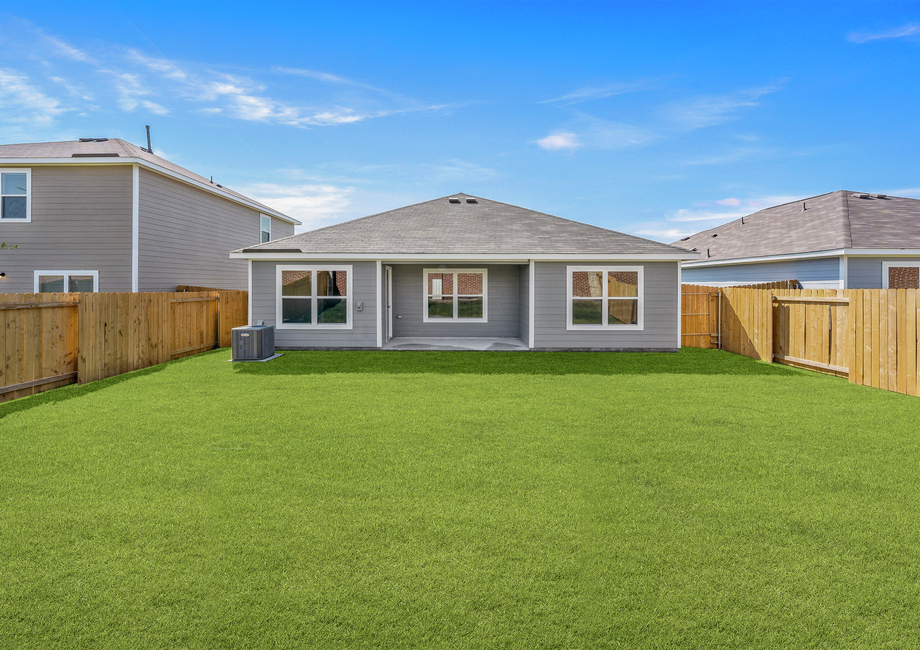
102, 154
864, 196
470, 199
715, 235
94, 139
454, 199
692, 250
685, 239
881, 196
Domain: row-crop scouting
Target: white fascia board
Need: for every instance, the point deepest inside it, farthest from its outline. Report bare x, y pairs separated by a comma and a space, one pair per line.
460, 257
110, 161
865, 252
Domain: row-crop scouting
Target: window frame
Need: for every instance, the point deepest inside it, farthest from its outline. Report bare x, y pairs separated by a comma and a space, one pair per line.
66, 275
456, 295
315, 268
262, 230
640, 298
888, 264
18, 170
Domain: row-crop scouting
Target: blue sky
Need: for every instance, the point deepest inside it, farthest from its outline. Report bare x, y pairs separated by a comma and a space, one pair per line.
656, 119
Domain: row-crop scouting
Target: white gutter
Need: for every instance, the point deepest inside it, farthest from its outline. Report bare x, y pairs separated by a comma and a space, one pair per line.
501, 258
109, 161
865, 252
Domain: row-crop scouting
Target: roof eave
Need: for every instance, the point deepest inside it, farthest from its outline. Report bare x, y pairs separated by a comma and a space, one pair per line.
519, 258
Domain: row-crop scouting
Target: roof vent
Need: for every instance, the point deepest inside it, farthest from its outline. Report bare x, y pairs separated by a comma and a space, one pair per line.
470, 199
881, 196
692, 250
454, 199
94, 139
685, 239
715, 235
864, 196
101, 154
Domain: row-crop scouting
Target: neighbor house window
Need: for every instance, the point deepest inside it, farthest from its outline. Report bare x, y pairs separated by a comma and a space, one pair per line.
609, 297
455, 295
314, 297
266, 228
66, 281
901, 275
16, 195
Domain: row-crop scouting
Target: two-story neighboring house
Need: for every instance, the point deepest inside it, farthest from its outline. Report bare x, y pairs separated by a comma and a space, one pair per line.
101, 214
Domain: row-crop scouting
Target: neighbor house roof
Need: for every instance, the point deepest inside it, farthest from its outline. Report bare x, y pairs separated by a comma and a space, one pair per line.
105, 150
461, 224
834, 221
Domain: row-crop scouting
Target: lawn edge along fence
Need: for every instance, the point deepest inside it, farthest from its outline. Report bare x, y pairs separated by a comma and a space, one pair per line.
49, 340
869, 336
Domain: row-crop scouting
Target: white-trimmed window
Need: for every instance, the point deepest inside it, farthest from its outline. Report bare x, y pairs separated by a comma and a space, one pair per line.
15, 195
605, 297
901, 275
318, 296
66, 281
266, 226
455, 295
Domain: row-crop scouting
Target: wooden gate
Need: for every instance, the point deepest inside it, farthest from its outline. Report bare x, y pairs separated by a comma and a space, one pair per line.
810, 331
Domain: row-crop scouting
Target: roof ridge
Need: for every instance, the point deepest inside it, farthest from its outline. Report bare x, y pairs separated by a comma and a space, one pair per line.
848, 229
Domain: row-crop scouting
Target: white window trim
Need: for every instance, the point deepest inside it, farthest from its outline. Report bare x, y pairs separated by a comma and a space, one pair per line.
640, 307
67, 275
349, 297
261, 230
456, 319
888, 265
28, 172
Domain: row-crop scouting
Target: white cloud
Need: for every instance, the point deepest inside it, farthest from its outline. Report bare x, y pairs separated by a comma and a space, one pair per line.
731, 201
663, 234
710, 110
72, 89
597, 92
164, 67
559, 140
911, 29
67, 50
22, 101
315, 205
313, 74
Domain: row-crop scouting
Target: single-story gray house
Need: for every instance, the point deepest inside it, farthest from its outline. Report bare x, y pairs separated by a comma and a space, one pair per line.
470, 271
840, 240
102, 214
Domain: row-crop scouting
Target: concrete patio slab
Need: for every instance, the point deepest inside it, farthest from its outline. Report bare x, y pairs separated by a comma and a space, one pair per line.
456, 343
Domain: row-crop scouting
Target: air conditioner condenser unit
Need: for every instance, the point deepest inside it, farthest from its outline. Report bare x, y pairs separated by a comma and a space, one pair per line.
253, 342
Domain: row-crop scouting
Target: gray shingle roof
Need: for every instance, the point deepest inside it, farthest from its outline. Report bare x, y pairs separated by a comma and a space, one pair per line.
841, 219
124, 149
470, 226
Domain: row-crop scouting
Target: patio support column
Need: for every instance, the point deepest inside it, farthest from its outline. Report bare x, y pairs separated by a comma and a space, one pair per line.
533, 311
380, 306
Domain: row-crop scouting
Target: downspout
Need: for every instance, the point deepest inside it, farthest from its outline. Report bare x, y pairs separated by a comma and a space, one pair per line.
135, 224
249, 294
533, 293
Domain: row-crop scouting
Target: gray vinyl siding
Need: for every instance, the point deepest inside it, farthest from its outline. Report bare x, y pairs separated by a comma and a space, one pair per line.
503, 303
186, 235
661, 311
364, 323
81, 221
866, 272
824, 269
524, 301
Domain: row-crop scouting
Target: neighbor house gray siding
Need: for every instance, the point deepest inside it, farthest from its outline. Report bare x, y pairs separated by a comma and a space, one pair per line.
866, 272
524, 310
822, 270
81, 221
186, 235
503, 303
364, 323
662, 315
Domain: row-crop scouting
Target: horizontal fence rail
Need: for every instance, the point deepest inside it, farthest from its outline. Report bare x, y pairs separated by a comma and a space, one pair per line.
50, 340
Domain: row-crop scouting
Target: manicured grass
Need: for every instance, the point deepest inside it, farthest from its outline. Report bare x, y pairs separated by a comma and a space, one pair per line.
461, 500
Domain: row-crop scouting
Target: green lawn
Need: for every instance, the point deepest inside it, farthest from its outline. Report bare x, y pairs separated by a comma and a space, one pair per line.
461, 500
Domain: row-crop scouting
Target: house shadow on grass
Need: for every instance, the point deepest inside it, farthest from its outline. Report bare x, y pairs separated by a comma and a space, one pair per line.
689, 361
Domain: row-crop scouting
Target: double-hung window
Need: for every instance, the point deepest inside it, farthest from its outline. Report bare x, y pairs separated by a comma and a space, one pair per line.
605, 297
314, 297
66, 281
456, 295
16, 195
266, 226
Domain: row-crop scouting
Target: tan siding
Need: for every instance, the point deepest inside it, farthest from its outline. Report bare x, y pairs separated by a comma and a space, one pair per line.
81, 221
186, 235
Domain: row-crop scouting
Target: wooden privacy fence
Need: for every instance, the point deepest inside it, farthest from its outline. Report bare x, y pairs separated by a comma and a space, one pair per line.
870, 336
50, 340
